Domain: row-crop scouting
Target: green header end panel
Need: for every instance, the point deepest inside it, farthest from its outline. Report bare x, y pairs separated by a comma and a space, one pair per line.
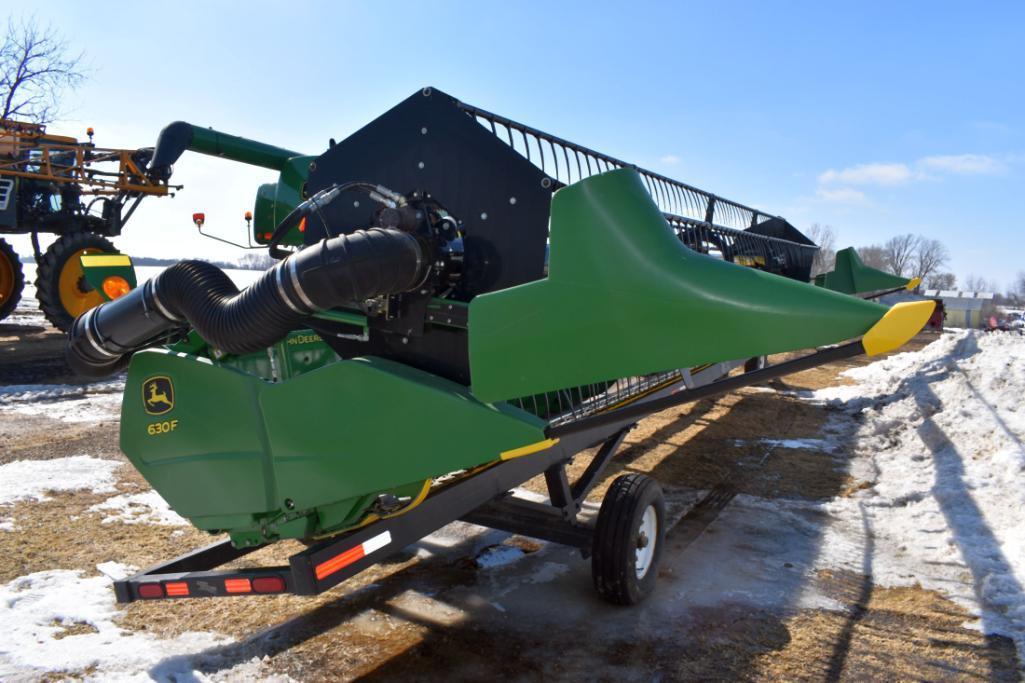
851, 276
308, 455
194, 432
624, 297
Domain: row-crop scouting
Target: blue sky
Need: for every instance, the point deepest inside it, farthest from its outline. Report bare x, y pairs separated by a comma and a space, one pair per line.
874, 118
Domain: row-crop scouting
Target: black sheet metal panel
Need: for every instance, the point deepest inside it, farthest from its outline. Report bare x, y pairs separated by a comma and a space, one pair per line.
498, 176
428, 143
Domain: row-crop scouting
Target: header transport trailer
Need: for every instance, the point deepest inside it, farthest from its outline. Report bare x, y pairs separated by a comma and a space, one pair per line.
461, 303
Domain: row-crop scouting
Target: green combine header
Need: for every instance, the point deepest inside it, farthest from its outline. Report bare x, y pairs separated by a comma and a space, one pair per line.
458, 297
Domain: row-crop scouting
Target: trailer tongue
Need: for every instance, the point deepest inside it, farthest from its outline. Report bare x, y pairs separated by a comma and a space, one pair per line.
457, 292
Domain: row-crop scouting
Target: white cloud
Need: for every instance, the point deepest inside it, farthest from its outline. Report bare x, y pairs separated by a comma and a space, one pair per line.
670, 159
926, 168
841, 195
962, 164
868, 174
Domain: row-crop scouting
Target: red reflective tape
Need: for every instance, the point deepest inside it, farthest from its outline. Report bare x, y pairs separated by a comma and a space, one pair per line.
176, 589
337, 562
342, 560
238, 586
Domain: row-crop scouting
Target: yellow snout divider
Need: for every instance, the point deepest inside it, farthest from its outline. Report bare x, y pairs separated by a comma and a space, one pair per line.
897, 326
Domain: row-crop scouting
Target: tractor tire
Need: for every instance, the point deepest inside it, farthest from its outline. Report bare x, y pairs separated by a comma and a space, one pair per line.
61, 288
628, 540
12, 279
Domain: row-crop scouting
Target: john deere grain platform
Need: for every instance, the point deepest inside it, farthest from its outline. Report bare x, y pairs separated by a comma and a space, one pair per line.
458, 296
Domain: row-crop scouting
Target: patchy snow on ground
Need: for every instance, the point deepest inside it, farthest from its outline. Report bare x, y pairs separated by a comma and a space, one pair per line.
62, 622
804, 444
939, 437
499, 556
96, 402
31, 479
139, 508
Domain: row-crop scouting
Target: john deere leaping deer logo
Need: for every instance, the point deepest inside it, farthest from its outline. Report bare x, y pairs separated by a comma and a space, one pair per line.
158, 395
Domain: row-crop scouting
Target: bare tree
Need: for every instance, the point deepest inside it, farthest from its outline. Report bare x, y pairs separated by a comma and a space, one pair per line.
929, 258
825, 257
35, 69
974, 283
900, 254
1018, 289
873, 256
941, 281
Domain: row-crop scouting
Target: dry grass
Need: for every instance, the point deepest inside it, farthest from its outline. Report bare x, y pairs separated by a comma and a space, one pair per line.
392, 621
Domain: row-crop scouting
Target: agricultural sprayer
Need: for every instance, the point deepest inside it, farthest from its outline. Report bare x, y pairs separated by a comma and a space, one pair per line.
82, 193
461, 303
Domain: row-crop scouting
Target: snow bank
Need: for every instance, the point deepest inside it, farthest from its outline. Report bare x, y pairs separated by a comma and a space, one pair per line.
942, 432
62, 621
139, 508
31, 479
94, 402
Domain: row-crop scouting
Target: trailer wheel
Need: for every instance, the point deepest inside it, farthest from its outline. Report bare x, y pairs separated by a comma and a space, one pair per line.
61, 288
12, 280
628, 540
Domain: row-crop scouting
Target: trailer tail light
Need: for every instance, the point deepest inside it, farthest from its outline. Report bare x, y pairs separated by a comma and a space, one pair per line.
150, 590
176, 589
344, 559
269, 584
238, 586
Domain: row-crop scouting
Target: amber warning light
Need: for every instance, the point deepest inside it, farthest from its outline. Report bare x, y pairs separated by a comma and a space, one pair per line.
116, 286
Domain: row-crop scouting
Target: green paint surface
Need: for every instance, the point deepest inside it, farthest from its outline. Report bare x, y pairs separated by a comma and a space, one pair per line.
235, 148
624, 297
851, 276
307, 455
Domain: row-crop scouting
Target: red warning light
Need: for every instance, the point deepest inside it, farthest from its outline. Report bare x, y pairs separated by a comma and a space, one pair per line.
269, 584
151, 590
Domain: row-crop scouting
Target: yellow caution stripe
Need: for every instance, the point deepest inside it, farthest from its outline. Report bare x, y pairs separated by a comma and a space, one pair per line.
105, 260
528, 449
897, 326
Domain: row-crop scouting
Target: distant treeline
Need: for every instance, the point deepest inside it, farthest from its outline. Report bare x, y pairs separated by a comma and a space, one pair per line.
247, 262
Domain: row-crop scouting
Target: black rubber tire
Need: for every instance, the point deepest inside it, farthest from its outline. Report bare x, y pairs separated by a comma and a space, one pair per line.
10, 257
756, 363
616, 539
48, 273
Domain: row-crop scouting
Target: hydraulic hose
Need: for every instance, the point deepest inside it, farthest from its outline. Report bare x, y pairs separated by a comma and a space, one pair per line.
341, 270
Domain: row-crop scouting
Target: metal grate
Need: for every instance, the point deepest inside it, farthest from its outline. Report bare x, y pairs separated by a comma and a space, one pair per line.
575, 403
567, 162
6, 190
703, 221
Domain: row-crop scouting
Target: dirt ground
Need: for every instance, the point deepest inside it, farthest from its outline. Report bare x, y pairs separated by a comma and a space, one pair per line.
435, 614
